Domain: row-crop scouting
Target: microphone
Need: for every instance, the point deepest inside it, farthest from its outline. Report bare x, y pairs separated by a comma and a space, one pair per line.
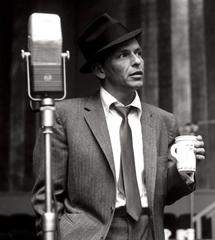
46, 82
45, 47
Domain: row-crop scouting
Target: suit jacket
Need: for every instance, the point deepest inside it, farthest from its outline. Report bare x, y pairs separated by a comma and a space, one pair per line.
83, 170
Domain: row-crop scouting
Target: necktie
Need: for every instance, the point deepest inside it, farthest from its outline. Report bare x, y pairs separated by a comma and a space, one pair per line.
127, 181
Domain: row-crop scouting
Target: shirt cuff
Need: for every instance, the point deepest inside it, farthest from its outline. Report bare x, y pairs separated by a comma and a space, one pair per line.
188, 177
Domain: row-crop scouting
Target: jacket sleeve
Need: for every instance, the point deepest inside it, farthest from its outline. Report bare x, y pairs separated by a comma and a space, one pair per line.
178, 184
59, 155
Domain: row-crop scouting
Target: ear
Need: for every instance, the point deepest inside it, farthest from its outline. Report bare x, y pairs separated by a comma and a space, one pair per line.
98, 70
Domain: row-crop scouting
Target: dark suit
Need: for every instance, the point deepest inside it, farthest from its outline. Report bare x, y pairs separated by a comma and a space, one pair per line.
84, 174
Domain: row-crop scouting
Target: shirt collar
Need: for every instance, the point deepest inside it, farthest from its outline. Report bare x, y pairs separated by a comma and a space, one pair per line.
107, 99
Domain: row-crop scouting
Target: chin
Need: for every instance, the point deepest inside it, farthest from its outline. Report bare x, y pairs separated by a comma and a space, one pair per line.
138, 85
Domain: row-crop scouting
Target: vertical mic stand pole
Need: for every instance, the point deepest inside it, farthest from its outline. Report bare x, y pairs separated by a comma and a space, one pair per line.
47, 120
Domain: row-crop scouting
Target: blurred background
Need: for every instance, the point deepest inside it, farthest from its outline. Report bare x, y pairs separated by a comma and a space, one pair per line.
179, 53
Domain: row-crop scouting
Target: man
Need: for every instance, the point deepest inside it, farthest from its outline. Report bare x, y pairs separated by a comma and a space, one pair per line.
112, 171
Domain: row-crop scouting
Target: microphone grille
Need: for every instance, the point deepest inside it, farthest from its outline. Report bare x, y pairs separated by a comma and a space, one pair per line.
45, 38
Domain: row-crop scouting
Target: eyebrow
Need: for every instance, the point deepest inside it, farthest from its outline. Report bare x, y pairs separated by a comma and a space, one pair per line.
137, 50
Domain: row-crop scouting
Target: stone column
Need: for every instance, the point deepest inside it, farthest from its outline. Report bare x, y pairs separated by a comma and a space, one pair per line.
180, 48
150, 91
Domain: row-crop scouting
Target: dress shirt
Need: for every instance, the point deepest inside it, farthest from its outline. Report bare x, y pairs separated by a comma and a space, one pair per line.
114, 120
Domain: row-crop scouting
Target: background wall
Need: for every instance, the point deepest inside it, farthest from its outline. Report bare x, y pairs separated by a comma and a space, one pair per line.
179, 52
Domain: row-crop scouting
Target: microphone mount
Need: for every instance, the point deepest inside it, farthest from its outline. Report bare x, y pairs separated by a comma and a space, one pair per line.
26, 56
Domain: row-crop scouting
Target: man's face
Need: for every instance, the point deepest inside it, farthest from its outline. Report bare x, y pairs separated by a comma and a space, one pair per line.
123, 69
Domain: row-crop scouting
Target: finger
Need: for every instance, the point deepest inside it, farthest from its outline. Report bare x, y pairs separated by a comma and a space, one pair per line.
199, 150
199, 138
200, 157
199, 143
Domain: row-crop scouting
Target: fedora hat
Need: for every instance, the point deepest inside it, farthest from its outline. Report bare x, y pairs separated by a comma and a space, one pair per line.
104, 33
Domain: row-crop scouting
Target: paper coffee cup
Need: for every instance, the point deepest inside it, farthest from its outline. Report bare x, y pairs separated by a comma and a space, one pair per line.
183, 151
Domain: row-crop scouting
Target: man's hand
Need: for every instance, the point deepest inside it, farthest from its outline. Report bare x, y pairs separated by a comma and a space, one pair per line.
199, 149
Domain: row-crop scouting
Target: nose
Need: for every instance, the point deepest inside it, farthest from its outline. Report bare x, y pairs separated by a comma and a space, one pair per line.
136, 59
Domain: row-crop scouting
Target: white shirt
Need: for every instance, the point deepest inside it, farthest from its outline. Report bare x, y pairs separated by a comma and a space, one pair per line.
114, 122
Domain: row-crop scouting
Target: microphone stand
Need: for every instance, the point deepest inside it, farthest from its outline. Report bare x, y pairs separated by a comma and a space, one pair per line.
49, 218
47, 120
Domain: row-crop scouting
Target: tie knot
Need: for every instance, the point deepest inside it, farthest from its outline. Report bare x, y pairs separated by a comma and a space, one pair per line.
123, 110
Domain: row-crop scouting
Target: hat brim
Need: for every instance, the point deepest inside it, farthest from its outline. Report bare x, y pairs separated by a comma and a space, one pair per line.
86, 68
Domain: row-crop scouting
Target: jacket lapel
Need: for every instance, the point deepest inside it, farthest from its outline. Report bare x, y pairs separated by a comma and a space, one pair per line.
95, 118
149, 151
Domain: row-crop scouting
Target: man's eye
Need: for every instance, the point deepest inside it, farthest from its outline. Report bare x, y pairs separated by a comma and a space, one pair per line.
139, 53
123, 55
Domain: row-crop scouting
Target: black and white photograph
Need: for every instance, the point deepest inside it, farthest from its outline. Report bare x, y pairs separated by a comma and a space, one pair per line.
107, 120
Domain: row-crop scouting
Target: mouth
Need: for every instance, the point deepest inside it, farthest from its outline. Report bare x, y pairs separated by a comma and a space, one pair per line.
137, 74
